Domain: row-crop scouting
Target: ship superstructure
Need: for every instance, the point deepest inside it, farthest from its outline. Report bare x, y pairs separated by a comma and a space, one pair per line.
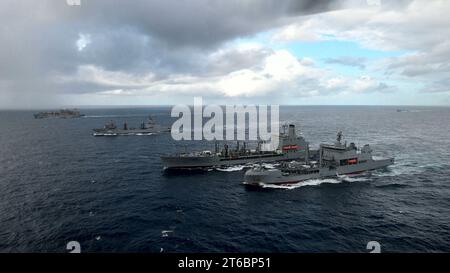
334, 159
146, 128
291, 147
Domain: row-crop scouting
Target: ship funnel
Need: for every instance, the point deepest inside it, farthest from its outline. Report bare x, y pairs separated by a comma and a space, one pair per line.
291, 130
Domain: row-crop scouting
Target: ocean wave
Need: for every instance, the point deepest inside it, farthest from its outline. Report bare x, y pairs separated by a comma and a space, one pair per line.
409, 168
392, 185
232, 168
348, 178
396, 170
242, 167
269, 165
317, 182
311, 182
165, 233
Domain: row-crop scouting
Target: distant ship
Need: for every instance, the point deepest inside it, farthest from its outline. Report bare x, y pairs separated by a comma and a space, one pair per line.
146, 128
63, 113
290, 147
334, 160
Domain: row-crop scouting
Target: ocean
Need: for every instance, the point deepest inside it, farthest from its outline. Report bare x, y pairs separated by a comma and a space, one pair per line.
58, 183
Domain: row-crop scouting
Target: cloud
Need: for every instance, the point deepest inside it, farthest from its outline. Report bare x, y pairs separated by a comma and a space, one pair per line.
83, 41
358, 62
147, 48
199, 24
440, 86
418, 28
277, 73
157, 37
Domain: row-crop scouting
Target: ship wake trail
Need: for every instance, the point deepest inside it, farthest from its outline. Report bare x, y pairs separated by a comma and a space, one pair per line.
317, 182
311, 182
347, 178
410, 168
236, 168
232, 168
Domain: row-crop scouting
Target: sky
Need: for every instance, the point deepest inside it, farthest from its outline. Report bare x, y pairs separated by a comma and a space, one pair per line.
165, 52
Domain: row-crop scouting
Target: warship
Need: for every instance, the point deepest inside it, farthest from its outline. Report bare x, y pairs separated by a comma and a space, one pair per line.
334, 160
291, 147
146, 128
63, 113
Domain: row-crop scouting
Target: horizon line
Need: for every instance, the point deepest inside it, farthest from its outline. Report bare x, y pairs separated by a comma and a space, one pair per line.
112, 106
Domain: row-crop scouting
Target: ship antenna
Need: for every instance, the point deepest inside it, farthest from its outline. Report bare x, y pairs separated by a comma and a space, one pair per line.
339, 138
285, 128
258, 149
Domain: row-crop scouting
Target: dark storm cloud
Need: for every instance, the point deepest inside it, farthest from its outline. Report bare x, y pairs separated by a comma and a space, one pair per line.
171, 36
200, 23
310, 7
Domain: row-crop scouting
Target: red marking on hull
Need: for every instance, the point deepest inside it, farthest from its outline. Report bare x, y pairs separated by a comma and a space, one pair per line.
291, 147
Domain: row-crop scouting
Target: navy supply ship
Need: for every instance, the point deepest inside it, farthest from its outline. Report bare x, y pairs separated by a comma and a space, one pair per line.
63, 113
146, 128
334, 160
291, 147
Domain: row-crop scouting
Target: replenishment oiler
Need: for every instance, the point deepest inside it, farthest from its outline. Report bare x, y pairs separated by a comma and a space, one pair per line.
146, 128
291, 147
336, 159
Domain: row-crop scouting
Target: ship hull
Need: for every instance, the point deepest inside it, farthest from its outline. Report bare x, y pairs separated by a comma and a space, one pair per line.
130, 132
195, 162
188, 162
290, 147
258, 177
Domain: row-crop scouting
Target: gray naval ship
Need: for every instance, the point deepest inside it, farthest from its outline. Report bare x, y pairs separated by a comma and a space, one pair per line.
291, 147
63, 113
146, 128
336, 159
